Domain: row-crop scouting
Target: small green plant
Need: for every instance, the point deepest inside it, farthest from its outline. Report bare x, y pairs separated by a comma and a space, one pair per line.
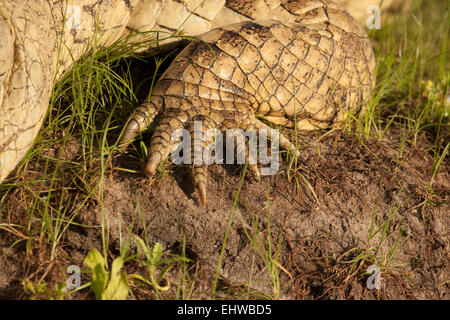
106, 285
264, 247
371, 253
227, 230
154, 262
40, 290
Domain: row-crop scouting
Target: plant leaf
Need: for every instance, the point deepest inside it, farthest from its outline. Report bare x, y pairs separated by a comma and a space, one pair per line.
144, 247
118, 286
95, 261
156, 253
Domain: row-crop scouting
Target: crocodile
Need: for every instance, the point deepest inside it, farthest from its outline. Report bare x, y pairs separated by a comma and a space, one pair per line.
288, 61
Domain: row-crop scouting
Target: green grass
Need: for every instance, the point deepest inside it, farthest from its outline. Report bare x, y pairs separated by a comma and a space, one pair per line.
90, 104
412, 76
375, 250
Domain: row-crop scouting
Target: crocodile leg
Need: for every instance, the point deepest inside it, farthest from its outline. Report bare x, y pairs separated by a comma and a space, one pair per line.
325, 53
310, 73
163, 142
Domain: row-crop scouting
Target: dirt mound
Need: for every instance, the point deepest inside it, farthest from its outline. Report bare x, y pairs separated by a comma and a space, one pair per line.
326, 210
317, 222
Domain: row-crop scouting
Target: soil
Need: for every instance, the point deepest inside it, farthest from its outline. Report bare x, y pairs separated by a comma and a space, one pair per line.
324, 211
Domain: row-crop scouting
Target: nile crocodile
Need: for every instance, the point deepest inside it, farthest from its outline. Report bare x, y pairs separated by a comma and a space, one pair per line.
251, 55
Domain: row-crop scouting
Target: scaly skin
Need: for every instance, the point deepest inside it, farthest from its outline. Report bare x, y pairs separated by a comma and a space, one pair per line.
40, 40
312, 67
